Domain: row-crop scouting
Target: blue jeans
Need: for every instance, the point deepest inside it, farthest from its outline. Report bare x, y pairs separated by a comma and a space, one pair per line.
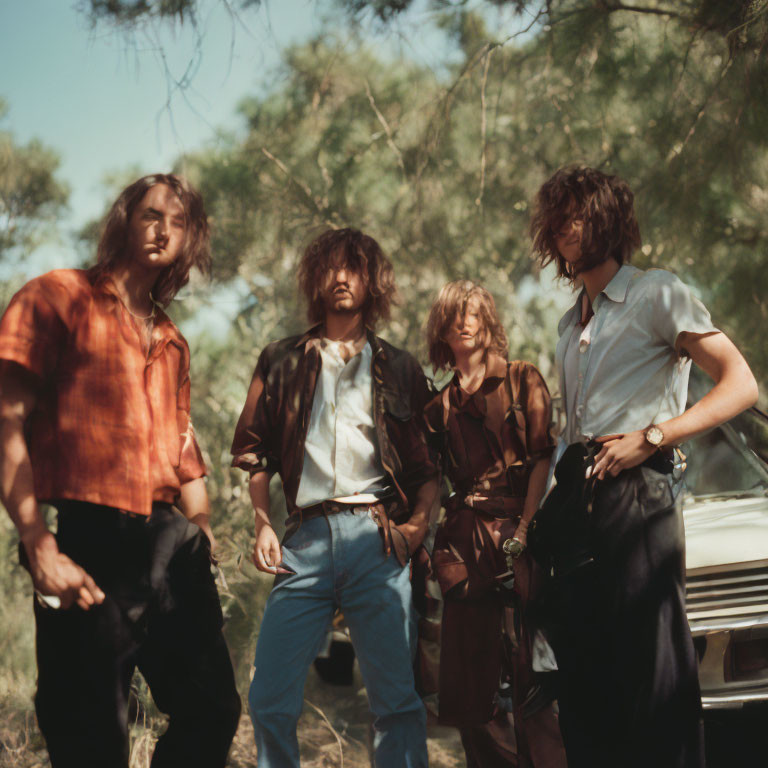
338, 563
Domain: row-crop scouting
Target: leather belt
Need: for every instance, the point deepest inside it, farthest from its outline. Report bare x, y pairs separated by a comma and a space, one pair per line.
327, 507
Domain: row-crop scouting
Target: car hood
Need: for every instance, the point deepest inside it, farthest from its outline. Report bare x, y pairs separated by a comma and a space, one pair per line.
725, 530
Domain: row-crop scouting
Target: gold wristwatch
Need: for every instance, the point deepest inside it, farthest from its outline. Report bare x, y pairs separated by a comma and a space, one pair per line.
654, 436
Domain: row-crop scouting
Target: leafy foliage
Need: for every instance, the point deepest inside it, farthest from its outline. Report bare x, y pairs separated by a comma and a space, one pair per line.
441, 170
31, 197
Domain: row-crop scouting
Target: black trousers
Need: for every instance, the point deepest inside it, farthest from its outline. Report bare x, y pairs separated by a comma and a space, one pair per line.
161, 615
629, 692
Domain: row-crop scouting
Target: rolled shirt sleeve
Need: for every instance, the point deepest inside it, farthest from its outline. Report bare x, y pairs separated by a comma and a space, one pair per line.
419, 457
676, 310
191, 463
250, 447
32, 328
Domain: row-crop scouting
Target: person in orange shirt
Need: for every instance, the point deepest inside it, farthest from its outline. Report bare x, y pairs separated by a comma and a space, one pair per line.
94, 420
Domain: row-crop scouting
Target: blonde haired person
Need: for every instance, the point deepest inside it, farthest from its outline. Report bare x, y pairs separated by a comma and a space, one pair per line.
491, 422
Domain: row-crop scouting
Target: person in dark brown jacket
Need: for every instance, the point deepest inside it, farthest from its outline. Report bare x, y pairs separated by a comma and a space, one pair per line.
492, 423
336, 413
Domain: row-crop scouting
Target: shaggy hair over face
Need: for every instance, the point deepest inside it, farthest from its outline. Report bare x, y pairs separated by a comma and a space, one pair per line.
452, 301
336, 248
605, 206
195, 251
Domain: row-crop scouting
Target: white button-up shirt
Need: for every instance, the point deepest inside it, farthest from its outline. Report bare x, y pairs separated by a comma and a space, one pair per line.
621, 372
341, 451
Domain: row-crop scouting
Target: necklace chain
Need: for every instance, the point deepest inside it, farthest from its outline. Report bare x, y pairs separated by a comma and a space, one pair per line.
150, 316
143, 318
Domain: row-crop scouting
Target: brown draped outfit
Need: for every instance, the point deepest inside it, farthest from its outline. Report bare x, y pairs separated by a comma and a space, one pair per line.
490, 440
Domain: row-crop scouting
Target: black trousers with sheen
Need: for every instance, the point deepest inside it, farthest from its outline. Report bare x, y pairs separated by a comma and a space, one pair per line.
629, 681
161, 615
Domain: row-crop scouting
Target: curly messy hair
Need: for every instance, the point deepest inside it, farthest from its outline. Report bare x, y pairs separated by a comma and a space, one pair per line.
605, 206
451, 301
348, 248
194, 253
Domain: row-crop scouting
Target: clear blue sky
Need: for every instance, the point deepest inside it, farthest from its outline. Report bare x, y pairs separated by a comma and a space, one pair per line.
100, 100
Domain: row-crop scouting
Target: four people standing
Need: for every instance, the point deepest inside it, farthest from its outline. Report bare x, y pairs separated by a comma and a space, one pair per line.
94, 419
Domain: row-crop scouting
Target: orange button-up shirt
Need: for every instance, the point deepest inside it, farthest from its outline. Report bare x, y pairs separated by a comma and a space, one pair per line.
111, 424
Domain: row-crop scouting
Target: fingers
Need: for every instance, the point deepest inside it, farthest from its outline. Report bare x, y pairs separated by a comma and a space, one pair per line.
84, 598
62, 578
606, 460
275, 554
263, 561
401, 545
379, 512
598, 467
607, 438
95, 594
267, 555
85, 592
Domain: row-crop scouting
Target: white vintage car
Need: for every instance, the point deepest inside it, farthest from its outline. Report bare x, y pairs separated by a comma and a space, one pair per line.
725, 506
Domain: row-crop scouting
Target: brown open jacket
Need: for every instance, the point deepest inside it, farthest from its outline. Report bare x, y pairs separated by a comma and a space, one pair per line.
272, 428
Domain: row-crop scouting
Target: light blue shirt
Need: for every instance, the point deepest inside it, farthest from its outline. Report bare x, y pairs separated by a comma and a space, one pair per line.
622, 371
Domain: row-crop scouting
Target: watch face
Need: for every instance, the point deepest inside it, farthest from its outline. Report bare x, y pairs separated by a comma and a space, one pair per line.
654, 436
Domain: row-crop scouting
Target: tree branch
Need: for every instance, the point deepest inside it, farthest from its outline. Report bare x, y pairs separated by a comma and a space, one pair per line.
385, 125
483, 128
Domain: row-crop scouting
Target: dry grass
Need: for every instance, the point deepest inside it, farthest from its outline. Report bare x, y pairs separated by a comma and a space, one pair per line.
334, 732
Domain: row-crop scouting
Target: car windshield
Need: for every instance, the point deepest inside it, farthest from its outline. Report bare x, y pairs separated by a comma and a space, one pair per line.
732, 458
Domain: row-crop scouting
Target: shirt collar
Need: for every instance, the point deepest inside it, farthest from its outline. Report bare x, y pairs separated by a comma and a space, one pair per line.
495, 368
618, 288
315, 332
311, 333
163, 326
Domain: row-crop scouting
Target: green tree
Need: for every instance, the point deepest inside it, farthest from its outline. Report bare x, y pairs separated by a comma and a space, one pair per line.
31, 197
673, 96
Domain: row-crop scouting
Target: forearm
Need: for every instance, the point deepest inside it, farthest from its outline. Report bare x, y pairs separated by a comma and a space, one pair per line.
733, 393
193, 501
422, 508
196, 507
537, 484
53, 574
17, 487
735, 389
258, 488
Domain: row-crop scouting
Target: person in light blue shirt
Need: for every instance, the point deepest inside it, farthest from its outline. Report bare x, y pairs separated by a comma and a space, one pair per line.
610, 531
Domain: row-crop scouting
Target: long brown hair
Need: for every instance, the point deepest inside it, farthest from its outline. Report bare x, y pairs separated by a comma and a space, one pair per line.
605, 206
348, 247
452, 300
194, 253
